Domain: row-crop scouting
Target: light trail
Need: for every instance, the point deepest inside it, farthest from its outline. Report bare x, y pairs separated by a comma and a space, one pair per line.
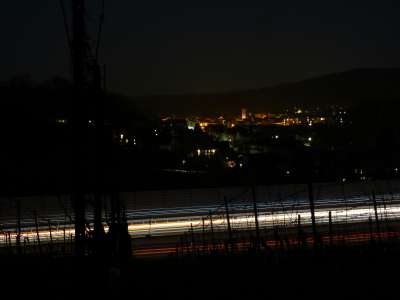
244, 221
354, 238
177, 221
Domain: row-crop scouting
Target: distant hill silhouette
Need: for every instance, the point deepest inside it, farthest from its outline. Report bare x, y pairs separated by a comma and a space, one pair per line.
25, 101
346, 88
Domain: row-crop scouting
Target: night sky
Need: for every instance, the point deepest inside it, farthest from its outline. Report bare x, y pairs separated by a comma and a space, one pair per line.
200, 46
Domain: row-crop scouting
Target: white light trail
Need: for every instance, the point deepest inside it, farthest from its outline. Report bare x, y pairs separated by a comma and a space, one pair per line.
172, 225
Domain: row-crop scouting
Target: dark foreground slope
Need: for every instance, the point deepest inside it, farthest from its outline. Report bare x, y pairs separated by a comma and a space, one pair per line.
367, 271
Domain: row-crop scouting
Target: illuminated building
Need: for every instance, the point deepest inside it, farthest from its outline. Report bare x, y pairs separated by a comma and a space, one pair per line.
203, 152
203, 125
261, 116
244, 114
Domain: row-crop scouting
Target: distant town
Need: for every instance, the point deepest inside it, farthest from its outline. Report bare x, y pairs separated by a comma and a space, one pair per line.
291, 117
249, 133
272, 144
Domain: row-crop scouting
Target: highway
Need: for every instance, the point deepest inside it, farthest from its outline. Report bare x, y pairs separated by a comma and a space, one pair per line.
268, 217
175, 222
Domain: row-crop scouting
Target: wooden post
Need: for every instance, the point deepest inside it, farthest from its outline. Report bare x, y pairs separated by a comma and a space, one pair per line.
51, 235
18, 237
37, 233
24, 245
64, 237
378, 229
312, 209
193, 239
212, 231
298, 230
258, 241
71, 241
371, 232
6, 236
230, 241
187, 243
9, 241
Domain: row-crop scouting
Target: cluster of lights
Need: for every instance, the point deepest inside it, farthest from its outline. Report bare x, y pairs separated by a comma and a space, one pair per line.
207, 152
362, 174
290, 121
125, 140
361, 171
61, 121
295, 121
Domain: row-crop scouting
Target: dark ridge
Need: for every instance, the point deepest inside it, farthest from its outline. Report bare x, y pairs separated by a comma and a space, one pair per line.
346, 88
